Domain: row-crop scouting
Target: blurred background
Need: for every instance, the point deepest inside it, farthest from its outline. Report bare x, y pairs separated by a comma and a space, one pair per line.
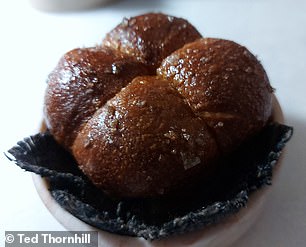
34, 38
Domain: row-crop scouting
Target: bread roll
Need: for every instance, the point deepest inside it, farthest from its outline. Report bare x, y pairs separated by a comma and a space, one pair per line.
155, 106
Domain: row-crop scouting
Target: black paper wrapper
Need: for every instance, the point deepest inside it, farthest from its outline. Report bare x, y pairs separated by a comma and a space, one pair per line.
208, 202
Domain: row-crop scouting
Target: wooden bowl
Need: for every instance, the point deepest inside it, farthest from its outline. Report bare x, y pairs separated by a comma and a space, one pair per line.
223, 234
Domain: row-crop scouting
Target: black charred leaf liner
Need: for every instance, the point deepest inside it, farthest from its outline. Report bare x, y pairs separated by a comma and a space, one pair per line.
241, 173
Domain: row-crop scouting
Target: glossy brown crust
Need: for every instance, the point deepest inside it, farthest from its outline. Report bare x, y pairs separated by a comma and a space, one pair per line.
224, 84
82, 82
140, 136
151, 37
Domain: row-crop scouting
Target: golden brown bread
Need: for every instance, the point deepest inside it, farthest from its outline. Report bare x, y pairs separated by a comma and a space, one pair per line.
224, 84
82, 82
141, 135
151, 37
141, 121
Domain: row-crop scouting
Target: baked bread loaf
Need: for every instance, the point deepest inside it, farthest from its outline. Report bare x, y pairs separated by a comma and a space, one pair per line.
155, 105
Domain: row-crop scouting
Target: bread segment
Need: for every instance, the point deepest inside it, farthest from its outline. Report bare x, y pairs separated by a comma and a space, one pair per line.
143, 133
224, 84
151, 37
81, 83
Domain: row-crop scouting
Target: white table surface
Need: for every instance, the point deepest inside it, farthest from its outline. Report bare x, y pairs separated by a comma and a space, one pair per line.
31, 42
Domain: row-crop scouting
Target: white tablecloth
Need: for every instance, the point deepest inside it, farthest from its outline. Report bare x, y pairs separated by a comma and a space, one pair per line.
31, 43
